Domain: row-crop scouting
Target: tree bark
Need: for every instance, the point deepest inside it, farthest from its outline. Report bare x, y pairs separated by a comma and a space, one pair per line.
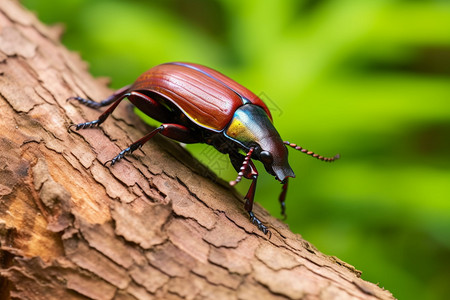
157, 225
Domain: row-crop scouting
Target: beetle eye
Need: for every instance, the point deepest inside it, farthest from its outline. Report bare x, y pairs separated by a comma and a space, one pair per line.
266, 157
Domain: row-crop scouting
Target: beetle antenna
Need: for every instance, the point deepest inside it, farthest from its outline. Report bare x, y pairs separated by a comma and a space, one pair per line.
330, 159
243, 167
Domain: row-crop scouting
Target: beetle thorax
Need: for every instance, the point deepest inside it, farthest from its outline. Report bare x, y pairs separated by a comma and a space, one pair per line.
251, 127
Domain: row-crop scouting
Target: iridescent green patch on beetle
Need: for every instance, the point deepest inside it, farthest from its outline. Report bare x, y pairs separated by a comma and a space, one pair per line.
239, 131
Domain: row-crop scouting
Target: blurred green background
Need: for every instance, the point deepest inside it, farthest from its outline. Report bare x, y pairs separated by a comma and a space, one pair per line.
367, 79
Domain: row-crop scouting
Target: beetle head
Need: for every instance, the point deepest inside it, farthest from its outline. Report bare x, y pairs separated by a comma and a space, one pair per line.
274, 156
252, 127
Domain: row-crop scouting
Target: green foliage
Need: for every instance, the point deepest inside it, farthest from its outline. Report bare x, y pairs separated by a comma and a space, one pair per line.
368, 79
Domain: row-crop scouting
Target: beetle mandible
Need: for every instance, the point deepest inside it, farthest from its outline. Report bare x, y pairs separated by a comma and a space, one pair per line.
196, 104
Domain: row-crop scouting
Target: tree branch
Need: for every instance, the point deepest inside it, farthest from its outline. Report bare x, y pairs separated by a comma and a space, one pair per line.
156, 225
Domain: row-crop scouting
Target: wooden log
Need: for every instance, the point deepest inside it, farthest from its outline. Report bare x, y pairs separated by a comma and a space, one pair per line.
157, 225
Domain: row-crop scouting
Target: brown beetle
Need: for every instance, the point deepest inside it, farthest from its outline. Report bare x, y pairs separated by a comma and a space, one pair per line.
196, 104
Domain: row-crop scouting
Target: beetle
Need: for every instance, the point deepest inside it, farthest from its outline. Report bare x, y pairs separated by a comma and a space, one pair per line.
197, 104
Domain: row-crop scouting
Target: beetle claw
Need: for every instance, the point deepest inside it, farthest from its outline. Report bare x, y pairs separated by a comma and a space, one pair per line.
86, 102
91, 124
69, 129
118, 157
71, 98
124, 152
259, 224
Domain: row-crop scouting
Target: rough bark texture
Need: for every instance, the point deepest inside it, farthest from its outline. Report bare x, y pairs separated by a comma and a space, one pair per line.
154, 226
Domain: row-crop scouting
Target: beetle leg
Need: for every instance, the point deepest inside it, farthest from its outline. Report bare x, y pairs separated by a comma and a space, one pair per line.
134, 97
139, 143
173, 131
283, 197
249, 202
250, 196
106, 102
180, 133
247, 169
103, 116
151, 107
